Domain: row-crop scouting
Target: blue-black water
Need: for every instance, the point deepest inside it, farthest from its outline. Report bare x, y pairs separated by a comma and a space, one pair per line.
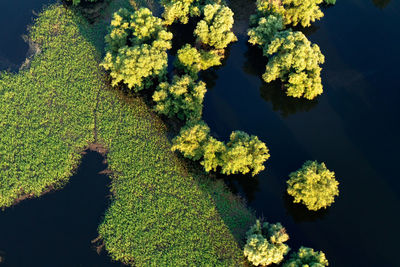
353, 127
57, 228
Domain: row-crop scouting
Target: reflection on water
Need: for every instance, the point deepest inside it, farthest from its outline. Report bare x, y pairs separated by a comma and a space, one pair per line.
381, 3
57, 228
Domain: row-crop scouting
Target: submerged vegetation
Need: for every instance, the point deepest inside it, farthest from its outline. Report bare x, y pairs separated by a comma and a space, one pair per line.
163, 212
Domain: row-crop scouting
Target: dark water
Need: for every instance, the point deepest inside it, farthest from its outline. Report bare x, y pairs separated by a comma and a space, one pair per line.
15, 16
57, 228
353, 127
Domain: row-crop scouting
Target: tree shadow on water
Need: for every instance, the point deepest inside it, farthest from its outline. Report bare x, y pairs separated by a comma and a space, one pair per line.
381, 3
300, 213
57, 228
244, 185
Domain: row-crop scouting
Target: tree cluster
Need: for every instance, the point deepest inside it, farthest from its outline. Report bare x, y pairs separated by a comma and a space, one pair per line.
136, 49
242, 154
266, 243
313, 185
307, 257
292, 57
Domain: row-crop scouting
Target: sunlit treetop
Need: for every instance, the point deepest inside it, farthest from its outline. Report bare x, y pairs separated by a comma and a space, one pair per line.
295, 61
313, 185
136, 48
307, 257
264, 29
215, 29
294, 12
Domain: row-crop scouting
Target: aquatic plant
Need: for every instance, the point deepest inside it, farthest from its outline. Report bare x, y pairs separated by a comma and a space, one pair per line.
313, 185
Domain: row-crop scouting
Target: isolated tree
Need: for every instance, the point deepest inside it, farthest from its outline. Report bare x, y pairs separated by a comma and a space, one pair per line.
191, 140
264, 29
182, 98
313, 185
136, 48
191, 60
213, 154
295, 61
244, 153
307, 257
265, 244
215, 29
293, 12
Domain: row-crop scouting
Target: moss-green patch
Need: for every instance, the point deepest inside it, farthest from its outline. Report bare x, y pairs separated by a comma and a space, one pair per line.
162, 213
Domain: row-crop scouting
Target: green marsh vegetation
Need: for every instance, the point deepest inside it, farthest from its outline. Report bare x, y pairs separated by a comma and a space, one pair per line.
164, 211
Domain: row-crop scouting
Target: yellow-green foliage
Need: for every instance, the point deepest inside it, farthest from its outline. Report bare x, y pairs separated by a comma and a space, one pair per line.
183, 98
307, 257
215, 29
313, 185
191, 60
264, 29
265, 244
295, 61
162, 212
242, 154
77, 2
136, 48
294, 12
191, 140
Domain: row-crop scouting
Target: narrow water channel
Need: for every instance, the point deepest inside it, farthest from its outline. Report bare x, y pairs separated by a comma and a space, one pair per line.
57, 228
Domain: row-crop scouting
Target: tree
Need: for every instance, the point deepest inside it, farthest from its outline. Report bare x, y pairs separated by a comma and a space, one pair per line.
265, 244
191, 60
244, 153
313, 185
183, 98
215, 29
191, 140
213, 154
264, 29
77, 2
136, 48
292, 11
331, 2
294, 60
307, 257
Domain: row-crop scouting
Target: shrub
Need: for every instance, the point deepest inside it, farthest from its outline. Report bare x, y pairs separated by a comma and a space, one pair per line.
191, 60
313, 185
265, 244
215, 28
293, 59
183, 98
244, 153
307, 257
136, 48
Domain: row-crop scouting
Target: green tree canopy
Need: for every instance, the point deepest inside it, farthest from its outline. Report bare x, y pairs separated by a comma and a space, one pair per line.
215, 29
313, 185
292, 11
214, 151
244, 153
191, 140
191, 60
182, 98
136, 48
307, 257
294, 60
264, 29
77, 2
265, 244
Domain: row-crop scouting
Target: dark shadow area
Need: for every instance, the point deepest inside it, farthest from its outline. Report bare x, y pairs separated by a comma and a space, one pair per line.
57, 229
183, 34
381, 3
92, 11
274, 92
15, 16
255, 61
245, 186
300, 213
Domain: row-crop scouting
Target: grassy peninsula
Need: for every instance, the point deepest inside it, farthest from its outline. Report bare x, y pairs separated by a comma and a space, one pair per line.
163, 212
